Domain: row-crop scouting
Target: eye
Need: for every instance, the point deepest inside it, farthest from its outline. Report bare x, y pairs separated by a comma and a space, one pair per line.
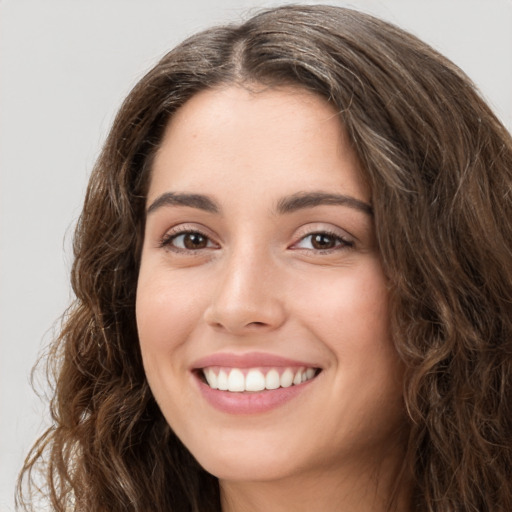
187, 241
323, 241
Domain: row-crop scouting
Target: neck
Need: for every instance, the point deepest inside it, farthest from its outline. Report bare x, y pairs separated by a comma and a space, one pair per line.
348, 489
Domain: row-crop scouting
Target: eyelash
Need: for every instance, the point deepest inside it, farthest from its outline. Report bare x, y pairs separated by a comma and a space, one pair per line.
167, 240
341, 243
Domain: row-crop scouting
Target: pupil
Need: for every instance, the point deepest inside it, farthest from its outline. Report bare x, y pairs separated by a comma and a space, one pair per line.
194, 241
321, 241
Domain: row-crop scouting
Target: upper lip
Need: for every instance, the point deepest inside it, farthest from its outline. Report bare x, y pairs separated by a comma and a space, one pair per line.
248, 360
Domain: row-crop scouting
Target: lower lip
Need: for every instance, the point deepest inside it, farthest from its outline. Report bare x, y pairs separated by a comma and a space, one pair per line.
251, 402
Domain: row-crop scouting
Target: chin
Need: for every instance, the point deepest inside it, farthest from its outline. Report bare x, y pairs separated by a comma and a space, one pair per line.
251, 467
249, 456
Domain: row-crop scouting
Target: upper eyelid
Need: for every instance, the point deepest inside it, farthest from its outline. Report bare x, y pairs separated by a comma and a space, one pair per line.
188, 228
345, 242
322, 227
300, 233
183, 229
172, 235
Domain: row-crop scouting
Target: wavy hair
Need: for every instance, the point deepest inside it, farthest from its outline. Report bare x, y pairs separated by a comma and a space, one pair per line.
439, 165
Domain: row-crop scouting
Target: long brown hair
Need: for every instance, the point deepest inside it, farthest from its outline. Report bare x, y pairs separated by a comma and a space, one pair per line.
439, 165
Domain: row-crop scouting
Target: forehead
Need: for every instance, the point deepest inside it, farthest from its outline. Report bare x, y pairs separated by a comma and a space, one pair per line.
232, 135
250, 111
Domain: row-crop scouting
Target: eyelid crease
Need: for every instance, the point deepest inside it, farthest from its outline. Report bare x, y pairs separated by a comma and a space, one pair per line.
175, 232
329, 228
344, 240
345, 243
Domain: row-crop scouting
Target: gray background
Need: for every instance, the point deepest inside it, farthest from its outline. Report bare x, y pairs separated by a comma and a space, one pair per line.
65, 66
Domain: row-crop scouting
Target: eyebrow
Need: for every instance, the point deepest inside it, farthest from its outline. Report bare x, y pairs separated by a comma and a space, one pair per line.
199, 201
303, 200
290, 204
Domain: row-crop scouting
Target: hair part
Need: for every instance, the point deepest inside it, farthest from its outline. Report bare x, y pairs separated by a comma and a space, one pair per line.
439, 165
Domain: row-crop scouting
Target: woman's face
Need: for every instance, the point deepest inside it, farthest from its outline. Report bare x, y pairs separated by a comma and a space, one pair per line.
260, 275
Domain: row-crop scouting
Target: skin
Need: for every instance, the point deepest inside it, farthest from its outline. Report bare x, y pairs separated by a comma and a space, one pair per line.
257, 282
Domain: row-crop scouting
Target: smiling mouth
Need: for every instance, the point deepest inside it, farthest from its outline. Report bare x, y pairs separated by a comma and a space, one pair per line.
239, 380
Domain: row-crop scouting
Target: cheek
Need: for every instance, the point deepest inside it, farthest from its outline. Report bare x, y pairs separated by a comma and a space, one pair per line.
167, 315
165, 319
349, 313
166, 309
350, 305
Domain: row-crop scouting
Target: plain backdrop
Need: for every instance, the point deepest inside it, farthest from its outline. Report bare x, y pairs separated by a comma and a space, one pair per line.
65, 66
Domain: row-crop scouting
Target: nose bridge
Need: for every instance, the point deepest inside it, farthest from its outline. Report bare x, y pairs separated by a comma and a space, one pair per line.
247, 293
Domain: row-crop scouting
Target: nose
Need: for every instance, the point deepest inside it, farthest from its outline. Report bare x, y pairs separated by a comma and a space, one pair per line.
248, 296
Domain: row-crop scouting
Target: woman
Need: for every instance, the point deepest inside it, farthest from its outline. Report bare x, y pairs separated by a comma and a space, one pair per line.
293, 283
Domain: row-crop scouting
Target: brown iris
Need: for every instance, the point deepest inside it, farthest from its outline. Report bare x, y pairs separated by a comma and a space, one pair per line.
195, 241
323, 241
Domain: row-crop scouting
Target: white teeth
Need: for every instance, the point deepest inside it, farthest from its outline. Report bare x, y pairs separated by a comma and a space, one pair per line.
287, 378
272, 380
222, 381
236, 380
211, 378
255, 380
